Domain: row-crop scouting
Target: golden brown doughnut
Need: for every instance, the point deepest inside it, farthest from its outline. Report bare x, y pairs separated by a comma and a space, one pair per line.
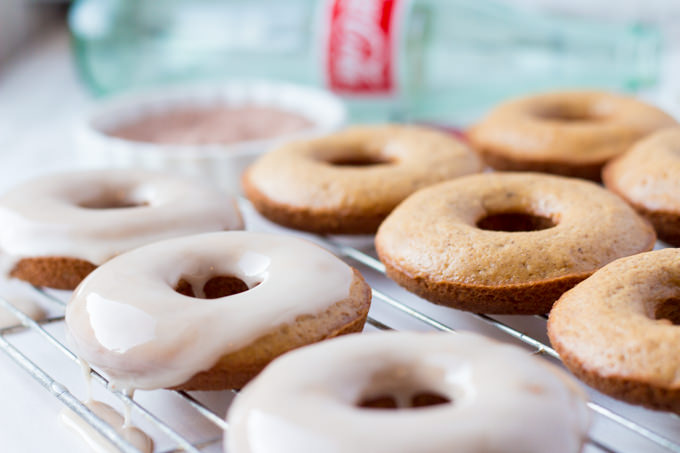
571, 133
506, 242
648, 178
619, 330
347, 183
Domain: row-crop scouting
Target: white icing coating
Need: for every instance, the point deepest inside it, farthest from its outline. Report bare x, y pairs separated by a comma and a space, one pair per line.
503, 399
28, 305
96, 441
127, 319
44, 217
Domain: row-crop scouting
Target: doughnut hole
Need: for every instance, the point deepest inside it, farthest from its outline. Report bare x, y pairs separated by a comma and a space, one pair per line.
515, 222
357, 157
402, 387
359, 161
113, 199
421, 399
571, 112
667, 309
214, 288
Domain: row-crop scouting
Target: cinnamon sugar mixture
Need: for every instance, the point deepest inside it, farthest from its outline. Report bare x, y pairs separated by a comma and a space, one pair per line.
214, 125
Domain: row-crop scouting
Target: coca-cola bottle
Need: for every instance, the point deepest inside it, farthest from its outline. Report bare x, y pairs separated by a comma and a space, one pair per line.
435, 60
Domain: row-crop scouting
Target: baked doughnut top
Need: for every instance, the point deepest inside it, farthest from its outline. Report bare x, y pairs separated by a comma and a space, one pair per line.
572, 133
349, 181
571, 126
649, 174
436, 232
506, 242
619, 329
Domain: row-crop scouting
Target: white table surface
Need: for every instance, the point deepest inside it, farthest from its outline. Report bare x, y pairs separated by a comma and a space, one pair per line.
40, 99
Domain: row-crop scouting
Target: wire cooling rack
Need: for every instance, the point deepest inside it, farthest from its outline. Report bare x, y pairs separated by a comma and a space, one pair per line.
617, 428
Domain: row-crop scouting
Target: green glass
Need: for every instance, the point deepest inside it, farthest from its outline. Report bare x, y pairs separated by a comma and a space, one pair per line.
455, 57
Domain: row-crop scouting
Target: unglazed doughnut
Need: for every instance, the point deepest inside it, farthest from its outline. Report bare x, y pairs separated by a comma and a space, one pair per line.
619, 330
448, 392
506, 242
569, 133
648, 178
347, 182
54, 230
135, 318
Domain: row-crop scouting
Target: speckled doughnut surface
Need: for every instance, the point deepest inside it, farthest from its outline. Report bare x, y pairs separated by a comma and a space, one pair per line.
348, 182
615, 330
506, 242
648, 178
568, 133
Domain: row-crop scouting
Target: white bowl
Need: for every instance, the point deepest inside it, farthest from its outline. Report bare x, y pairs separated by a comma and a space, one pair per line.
221, 163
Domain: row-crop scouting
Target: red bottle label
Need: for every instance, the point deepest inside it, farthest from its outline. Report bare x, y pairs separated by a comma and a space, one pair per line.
360, 47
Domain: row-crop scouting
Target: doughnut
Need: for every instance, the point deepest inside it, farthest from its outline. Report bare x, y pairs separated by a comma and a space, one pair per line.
402, 392
347, 182
567, 133
648, 178
618, 331
506, 243
56, 229
209, 311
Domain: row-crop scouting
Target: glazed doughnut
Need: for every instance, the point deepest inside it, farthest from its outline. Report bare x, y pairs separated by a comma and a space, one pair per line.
648, 178
567, 133
346, 183
448, 392
54, 230
208, 312
507, 243
619, 330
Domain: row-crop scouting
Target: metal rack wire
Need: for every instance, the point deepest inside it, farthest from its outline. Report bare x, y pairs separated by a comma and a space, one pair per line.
350, 254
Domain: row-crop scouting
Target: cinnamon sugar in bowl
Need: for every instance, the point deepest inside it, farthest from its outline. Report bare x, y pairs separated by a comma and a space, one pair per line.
209, 131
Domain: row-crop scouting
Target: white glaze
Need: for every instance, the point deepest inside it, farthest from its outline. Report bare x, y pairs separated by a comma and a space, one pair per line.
504, 400
96, 441
27, 305
126, 318
43, 217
